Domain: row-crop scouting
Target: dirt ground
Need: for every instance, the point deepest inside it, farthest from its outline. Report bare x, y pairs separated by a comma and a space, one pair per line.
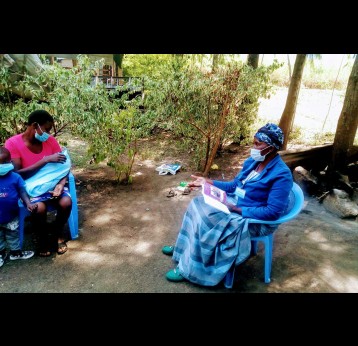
123, 228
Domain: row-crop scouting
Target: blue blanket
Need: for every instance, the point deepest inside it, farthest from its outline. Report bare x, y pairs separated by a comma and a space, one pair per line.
209, 243
46, 178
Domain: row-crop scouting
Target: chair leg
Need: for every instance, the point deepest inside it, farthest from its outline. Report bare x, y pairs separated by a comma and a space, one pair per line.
268, 241
73, 219
72, 226
254, 247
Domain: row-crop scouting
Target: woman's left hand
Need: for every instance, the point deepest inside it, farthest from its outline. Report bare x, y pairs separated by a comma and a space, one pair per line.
233, 208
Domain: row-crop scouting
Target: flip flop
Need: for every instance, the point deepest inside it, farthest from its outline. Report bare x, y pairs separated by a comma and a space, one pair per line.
45, 253
171, 193
62, 248
186, 191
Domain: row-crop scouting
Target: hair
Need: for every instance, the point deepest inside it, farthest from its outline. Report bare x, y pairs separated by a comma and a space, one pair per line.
40, 116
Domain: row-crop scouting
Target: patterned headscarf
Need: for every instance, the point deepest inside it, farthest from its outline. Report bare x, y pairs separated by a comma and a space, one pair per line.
270, 134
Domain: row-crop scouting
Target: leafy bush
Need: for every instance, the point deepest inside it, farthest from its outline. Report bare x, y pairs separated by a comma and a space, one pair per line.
109, 123
207, 109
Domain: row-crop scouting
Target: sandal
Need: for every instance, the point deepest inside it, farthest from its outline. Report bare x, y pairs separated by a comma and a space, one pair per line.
171, 193
62, 248
45, 253
186, 191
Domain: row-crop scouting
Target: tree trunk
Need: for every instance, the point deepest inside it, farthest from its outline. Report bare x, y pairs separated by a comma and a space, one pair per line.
215, 62
288, 115
118, 59
289, 68
347, 123
253, 60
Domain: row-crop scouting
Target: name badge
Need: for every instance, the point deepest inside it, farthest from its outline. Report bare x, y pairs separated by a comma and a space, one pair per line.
240, 192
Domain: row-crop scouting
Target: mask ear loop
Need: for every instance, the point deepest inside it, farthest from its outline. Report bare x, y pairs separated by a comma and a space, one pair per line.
268, 146
38, 125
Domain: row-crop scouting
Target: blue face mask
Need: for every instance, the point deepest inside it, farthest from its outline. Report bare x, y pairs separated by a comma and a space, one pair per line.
43, 137
6, 168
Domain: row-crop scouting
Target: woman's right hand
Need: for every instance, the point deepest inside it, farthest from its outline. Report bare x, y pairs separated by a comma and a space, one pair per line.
57, 157
197, 182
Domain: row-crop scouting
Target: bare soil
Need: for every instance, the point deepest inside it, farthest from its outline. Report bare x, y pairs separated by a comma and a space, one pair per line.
123, 228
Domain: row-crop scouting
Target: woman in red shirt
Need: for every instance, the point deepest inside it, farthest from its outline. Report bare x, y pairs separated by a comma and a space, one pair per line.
30, 151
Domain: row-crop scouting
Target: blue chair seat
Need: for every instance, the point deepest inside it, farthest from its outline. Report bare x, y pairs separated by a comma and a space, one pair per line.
296, 202
72, 220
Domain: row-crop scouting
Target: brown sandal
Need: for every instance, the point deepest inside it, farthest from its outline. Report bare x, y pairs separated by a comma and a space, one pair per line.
171, 193
62, 248
186, 191
45, 253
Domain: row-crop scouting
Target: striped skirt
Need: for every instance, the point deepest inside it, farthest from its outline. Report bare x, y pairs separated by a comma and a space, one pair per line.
209, 243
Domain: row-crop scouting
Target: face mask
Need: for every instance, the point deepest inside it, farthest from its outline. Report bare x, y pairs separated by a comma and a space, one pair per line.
256, 154
43, 137
6, 168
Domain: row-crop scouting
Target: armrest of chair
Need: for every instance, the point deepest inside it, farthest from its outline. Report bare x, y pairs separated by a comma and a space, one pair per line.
295, 210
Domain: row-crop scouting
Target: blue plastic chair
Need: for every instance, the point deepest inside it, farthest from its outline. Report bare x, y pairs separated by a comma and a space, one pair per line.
72, 220
297, 201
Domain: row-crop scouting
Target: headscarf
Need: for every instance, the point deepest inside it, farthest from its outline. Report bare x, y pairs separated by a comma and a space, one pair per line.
270, 134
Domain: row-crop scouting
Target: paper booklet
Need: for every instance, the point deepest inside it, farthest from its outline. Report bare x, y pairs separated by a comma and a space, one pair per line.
215, 197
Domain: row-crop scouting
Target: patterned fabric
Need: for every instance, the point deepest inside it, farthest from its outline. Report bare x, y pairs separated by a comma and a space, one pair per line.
209, 243
270, 134
48, 196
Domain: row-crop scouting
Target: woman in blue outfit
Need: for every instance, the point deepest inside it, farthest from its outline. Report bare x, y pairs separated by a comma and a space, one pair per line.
210, 241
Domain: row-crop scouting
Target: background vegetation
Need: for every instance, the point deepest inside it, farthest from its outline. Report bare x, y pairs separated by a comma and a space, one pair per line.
205, 100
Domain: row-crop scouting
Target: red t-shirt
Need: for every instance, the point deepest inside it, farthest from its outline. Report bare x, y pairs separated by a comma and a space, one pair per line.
18, 149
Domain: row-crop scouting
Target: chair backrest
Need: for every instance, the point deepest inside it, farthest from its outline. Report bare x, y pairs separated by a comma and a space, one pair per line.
295, 210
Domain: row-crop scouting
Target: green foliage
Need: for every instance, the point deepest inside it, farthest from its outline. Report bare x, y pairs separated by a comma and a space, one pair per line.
206, 109
141, 65
319, 138
109, 123
296, 135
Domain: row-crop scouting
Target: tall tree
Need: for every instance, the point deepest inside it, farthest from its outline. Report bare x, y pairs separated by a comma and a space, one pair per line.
288, 115
118, 59
253, 60
347, 123
216, 58
289, 68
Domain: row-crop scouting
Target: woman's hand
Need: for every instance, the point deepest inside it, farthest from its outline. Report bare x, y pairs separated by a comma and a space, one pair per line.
197, 182
233, 208
57, 157
57, 191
